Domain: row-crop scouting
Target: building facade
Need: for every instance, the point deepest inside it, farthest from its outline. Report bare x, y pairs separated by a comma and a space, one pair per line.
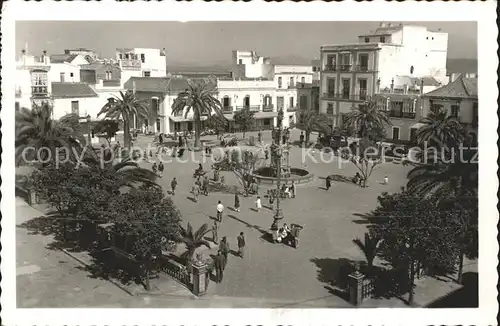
391, 56
141, 62
75, 98
460, 100
32, 80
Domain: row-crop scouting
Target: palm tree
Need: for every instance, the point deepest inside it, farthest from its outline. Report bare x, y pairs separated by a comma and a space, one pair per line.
458, 176
440, 130
367, 117
313, 121
126, 106
369, 247
193, 240
36, 129
200, 98
126, 169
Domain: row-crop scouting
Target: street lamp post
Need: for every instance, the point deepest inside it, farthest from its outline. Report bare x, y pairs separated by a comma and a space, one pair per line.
278, 214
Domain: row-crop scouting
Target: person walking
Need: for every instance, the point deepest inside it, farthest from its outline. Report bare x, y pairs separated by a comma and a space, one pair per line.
292, 189
260, 137
328, 183
205, 185
220, 210
161, 167
301, 137
386, 180
155, 168
196, 191
236, 202
266, 153
258, 204
219, 266
241, 244
173, 185
215, 236
224, 248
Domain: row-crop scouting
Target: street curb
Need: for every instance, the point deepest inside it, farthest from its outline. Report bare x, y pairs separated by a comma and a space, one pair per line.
117, 284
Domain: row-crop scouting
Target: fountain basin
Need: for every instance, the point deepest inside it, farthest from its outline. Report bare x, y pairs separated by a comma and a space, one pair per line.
298, 176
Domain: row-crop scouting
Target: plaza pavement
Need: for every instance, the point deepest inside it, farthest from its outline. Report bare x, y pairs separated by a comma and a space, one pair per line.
270, 275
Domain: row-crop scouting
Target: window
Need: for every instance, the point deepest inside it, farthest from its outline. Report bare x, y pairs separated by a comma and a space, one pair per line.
330, 84
71, 74
314, 69
291, 82
155, 104
146, 74
363, 62
331, 62
303, 101
329, 108
240, 61
226, 101
17, 106
246, 101
280, 81
395, 133
108, 75
413, 132
61, 77
436, 107
367, 40
291, 102
382, 39
143, 57
302, 80
280, 102
158, 124
454, 111
120, 55
363, 85
75, 107
346, 91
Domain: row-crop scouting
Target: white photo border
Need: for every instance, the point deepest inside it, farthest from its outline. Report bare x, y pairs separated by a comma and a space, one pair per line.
483, 13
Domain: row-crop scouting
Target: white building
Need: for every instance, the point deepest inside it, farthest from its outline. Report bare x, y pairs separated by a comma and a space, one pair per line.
141, 62
381, 60
76, 98
32, 80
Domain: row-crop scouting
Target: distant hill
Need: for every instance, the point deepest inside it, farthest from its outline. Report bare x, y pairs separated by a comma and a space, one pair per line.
452, 65
461, 65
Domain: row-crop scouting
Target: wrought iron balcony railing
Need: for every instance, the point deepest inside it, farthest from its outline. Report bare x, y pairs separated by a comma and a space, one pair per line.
250, 107
292, 108
39, 90
362, 96
330, 68
400, 114
268, 107
227, 109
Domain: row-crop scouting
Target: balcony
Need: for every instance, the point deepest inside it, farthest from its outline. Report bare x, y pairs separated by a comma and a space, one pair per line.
254, 108
345, 68
39, 91
268, 107
362, 68
330, 68
227, 109
409, 91
128, 64
400, 114
292, 108
362, 96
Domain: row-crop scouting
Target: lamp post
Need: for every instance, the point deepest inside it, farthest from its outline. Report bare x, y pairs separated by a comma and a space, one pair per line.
89, 138
278, 214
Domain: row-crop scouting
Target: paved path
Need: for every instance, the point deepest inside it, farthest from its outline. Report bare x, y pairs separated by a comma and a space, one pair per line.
270, 275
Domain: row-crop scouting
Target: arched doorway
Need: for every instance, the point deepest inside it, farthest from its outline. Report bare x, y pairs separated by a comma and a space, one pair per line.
246, 101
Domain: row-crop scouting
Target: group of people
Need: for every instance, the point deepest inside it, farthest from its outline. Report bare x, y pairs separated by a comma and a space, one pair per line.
158, 168
220, 260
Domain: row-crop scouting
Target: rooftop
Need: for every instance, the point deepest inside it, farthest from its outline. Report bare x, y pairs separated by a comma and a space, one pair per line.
72, 90
460, 88
61, 58
156, 84
97, 65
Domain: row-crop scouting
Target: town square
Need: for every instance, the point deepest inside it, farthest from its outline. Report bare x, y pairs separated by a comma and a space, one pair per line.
256, 175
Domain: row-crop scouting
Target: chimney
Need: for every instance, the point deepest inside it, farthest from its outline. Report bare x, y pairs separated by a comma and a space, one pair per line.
421, 86
392, 85
44, 57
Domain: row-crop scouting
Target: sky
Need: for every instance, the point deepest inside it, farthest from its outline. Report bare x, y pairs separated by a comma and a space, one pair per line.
212, 42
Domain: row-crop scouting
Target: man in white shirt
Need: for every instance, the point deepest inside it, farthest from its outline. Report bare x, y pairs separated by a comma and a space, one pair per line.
220, 209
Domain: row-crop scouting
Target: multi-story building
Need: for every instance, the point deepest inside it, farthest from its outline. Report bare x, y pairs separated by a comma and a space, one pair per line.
353, 73
460, 100
32, 80
76, 98
141, 62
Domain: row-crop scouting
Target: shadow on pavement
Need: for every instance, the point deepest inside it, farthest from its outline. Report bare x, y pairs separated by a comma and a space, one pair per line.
334, 272
466, 297
256, 227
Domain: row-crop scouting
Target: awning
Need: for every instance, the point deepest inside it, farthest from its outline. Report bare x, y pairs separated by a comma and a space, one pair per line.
265, 115
417, 125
